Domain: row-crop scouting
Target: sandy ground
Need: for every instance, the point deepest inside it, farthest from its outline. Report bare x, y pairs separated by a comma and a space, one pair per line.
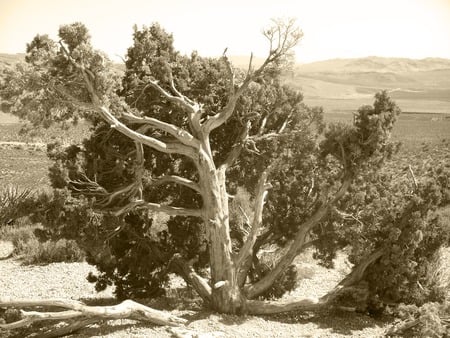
67, 280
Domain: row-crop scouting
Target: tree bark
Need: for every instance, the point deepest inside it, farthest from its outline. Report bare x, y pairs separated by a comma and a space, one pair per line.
226, 295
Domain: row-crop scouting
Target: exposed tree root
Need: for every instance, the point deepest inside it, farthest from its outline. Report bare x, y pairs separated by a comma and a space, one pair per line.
128, 309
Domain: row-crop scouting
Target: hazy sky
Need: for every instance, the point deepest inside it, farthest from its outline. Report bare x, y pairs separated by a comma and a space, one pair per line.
332, 28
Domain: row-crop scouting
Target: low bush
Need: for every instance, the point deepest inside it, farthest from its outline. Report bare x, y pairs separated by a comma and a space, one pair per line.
429, 320
14, 203
19, 234
31, 250
36, 252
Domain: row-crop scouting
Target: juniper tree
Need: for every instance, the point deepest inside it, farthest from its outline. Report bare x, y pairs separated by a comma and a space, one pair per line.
190, 137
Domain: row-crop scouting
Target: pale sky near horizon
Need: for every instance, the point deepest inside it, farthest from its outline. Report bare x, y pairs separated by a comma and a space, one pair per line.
332, 28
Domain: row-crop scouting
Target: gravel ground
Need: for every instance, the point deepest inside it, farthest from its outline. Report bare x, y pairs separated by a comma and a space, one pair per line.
68, 280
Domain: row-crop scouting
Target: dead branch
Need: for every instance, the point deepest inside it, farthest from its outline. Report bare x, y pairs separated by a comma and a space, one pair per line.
413, 178
127, 309
299, 241
170, 148
288, 37
247, 249
157, 207
257, 307
179, 100
237, 147
178, 133
177, 180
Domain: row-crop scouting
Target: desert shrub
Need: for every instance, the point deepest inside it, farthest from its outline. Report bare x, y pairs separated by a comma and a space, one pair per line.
15, 202
429, 320
33, 250
403, 218
62, 250
19, 234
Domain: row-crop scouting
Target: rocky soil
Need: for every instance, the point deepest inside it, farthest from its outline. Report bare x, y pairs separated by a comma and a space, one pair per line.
67, 280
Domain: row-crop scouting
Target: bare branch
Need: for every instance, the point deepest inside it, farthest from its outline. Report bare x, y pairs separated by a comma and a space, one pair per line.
258, 307
126, 309
297, 244
247, 248
169, 148
413, 178
186, 270
237, 147
157, 207
180, 134
230, 73
285, 123
177, 180
289, 37
177, 100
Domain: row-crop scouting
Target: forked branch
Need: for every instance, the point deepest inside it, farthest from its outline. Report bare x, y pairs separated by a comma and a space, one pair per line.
247, 249
282, 38
297, 244
165, 147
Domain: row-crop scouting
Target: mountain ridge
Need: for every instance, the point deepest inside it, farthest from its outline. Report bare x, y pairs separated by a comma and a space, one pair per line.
374, 64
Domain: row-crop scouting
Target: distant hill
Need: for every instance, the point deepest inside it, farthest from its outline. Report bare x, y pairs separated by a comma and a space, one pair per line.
10, 59
375, 64
419, 85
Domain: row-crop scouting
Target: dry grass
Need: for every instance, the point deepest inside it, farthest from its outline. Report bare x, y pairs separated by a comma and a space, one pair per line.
30, 250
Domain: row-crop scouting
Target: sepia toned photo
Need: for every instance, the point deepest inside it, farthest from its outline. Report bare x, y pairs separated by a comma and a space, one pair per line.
224, 169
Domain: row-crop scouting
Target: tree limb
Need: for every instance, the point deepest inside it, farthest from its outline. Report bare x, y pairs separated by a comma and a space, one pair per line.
188, 273
180, 134
177, 180
191, 108
257, 307
288, 38
296, 245
126, 309
237, 147
168, 148
156, 207
247, 249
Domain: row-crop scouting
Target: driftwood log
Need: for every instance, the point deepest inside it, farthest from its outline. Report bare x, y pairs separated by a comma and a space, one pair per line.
84, 314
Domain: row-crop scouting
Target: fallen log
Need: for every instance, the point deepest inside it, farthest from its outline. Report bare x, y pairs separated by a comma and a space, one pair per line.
85, 314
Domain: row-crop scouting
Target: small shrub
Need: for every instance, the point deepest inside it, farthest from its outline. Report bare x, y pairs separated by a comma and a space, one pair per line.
33, 251
19, 234
14, 202
428, 320
62, 250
